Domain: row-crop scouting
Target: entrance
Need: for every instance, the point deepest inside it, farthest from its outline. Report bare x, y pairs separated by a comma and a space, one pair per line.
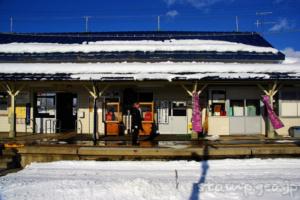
55, 112
66, 112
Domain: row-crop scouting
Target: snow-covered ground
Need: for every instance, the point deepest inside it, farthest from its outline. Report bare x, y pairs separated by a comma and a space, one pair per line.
217, 179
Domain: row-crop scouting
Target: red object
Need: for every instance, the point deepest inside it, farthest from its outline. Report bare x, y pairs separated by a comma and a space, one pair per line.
223, 113
148, 116
108, 116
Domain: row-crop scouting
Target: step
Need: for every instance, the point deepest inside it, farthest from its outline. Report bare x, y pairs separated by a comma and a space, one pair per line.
6, 159
8, 152
6, 165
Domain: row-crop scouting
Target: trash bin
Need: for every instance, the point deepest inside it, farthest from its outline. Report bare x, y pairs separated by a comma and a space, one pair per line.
294, 131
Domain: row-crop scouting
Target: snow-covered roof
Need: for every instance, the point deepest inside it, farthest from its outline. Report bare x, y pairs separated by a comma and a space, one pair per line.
138, 47
147, 71
132, 46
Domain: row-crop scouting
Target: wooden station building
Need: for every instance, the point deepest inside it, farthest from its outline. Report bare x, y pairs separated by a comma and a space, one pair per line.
87, 82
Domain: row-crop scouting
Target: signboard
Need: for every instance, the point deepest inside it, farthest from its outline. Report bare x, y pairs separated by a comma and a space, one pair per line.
20, 112
163, 112
27, 119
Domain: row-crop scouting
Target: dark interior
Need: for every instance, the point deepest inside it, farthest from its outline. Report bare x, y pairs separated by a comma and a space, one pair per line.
66, 111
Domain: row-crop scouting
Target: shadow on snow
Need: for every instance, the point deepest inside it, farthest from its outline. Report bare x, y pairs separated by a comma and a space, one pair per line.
195, 195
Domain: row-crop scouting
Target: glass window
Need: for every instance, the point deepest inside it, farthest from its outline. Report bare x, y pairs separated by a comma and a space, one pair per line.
218, 109
218, 96
179, 108
74, 106
45, 105
218, 103
237, 108
3, 101
147, 111
289, 95
253, 107
112, 111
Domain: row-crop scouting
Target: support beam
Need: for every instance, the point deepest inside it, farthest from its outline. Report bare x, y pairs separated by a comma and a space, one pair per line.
96, 94
191, 93
271, 92
13, 92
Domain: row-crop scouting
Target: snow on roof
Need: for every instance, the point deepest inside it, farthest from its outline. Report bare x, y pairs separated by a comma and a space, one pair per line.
154, 71
138, 45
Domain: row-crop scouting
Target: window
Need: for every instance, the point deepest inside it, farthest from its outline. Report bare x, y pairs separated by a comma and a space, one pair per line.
248, 107
218, 96
112, 111
45, 105
147, 111
218, 103
290, 95
252, 108
236, 108
179, 108
3, 102
290, 103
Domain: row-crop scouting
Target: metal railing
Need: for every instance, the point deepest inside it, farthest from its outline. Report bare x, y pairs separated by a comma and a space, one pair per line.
53, 125
80, 126
34, 125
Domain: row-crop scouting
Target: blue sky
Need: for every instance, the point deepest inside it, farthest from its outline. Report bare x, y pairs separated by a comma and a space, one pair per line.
279, 20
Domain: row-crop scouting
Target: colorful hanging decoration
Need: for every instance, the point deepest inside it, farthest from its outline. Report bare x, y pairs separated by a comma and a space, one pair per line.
275, 121
196, 116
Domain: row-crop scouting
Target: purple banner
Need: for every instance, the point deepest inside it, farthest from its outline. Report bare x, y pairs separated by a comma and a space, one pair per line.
275, 121
196, 116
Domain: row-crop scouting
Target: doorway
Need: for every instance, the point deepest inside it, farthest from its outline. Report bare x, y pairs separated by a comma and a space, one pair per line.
66, 112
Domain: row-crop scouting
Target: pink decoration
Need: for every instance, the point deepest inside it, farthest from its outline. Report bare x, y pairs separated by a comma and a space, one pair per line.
275, 121
196, 116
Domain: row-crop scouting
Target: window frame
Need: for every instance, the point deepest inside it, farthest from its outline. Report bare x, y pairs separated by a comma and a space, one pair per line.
296, 101
5, 96
46, 95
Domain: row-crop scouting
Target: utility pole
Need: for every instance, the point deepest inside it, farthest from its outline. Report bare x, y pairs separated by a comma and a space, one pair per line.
237, 23
87, 23
11, 24
158, 23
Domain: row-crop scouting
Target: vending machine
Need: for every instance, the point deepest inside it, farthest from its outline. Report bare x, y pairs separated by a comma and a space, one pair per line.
147, 112
112, 118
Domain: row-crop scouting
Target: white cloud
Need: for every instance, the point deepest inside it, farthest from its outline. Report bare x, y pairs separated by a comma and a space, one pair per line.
291, 52
292, 56
282, 24
172, 13
195, 3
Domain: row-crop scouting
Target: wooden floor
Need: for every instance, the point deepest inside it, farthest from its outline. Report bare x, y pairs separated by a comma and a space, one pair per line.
31, 138
74, 138
72, 146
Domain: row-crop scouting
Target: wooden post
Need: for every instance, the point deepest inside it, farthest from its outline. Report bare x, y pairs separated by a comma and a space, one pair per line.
12, 117
95, 122
190, 93
94, 92
270, 130
13, 92
272, 90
